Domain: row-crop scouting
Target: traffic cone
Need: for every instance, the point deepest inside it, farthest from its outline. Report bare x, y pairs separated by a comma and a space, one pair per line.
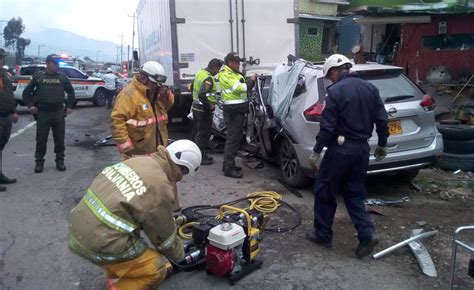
124, 71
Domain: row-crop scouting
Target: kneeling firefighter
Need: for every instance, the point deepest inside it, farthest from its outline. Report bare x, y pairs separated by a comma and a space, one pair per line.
134, 195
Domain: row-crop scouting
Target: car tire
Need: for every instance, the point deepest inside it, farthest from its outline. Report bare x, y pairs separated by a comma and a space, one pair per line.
450, 161
99, 99
458, 146
290, 168
457, 132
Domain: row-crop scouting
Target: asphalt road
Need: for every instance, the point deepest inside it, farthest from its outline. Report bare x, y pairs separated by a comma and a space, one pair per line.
34, 211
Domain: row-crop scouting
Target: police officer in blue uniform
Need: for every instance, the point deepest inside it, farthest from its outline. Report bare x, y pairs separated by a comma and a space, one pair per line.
352, 108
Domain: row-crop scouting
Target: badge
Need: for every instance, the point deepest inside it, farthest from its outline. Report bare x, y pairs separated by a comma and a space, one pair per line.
341, 140
145, 107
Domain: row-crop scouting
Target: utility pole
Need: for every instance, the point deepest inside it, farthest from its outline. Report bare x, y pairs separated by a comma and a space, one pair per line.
121, 49
133, 37
117, 59
97, 57
39, 49
128, 57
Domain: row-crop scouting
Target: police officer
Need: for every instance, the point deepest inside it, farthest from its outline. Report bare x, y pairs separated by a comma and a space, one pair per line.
235, 100
204, 100
44, 96
7, 114
352, 107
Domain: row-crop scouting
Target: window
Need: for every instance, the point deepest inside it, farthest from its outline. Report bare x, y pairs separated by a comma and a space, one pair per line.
72, 73
300, 86
449, 41
313, 31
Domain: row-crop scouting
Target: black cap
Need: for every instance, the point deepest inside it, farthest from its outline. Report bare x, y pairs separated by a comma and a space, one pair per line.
3, 52
52, 57
232, 56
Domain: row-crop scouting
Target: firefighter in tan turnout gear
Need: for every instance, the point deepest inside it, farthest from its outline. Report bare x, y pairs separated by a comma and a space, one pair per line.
126, 198
139, 118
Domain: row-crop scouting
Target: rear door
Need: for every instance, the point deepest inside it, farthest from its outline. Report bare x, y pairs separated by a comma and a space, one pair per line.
410, 125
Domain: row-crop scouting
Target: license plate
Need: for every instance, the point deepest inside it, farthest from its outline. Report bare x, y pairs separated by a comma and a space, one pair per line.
395, 127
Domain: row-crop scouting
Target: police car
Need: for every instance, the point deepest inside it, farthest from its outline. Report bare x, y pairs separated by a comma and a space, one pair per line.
87, 88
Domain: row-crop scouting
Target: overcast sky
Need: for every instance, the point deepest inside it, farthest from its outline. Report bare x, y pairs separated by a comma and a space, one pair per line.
98, 19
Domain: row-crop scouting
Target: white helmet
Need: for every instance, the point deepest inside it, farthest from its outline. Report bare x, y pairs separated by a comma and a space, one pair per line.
335, 60
154, 71
185, 153
109, 69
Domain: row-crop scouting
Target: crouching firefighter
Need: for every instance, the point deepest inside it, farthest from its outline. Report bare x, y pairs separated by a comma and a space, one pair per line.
134, 195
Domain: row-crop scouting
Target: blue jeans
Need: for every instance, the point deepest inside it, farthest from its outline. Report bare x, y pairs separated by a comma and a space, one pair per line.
343, 170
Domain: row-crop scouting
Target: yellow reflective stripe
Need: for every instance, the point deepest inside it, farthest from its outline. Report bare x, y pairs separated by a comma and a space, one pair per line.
168, 243
234, 102
137, 247
104, 214
236, 85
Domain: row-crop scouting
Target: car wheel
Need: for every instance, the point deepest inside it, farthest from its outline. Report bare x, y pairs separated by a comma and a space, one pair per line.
290, 168
99, 99
450, 161
458, 146
457, 132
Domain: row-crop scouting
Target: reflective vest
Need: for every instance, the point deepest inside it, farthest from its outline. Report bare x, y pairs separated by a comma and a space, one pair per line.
113, 221
233, 86
201, 76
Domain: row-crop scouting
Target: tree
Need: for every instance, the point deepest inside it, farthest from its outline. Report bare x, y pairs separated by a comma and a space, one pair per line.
12, 35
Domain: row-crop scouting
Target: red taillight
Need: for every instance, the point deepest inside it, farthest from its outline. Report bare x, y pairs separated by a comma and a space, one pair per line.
314, 112
428, 103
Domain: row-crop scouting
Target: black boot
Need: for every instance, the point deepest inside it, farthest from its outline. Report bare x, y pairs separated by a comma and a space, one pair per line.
6, 180
207, 160
237, 168
60, 165
39, 166
232, 172
3, 188
366, 246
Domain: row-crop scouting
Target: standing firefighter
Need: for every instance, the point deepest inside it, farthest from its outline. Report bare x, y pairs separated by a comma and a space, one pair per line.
134, 195
139, 118
352, 107
44, 96
7, 114
204, 101
234, 96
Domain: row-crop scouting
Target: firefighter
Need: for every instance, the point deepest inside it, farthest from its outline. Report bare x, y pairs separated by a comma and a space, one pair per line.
235, 100
8, 114
139, 117
352, 108
44, 96
133, 195
204, 101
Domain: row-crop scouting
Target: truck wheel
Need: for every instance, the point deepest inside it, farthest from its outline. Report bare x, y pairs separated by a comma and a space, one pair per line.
457, 132
290, 168
99, 99
458, 146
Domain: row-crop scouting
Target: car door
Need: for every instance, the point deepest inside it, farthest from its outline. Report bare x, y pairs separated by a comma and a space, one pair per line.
77, 78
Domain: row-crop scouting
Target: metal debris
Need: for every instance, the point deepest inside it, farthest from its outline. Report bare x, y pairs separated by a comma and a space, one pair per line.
404, 243
378, 201
422, 255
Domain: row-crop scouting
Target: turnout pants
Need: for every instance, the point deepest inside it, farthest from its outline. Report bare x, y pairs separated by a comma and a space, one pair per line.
203, 123
45, 121
146, 271
343, 170
234, 117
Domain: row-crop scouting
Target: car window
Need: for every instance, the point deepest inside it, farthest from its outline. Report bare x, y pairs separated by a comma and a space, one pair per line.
323, 83
72, 73
300, 86
30, 70
393, 86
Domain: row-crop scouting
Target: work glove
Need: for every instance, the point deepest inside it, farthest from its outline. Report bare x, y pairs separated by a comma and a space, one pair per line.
314, 160
380, 153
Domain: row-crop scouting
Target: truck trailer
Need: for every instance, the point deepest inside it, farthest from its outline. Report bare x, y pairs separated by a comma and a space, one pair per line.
183, 35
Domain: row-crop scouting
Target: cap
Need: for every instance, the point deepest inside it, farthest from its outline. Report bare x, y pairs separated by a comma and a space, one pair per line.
52, 57
232, 56
3, 52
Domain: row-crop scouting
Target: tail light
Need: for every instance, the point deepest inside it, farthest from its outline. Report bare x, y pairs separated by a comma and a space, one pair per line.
428, 103
313, 113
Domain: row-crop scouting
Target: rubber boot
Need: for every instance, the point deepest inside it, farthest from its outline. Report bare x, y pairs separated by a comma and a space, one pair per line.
60, 165
39, 166
6, 180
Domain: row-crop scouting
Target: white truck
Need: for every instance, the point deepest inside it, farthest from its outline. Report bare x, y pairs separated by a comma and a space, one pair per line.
183, 35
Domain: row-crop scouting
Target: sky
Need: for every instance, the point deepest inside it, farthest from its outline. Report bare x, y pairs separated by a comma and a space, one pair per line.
97, 19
